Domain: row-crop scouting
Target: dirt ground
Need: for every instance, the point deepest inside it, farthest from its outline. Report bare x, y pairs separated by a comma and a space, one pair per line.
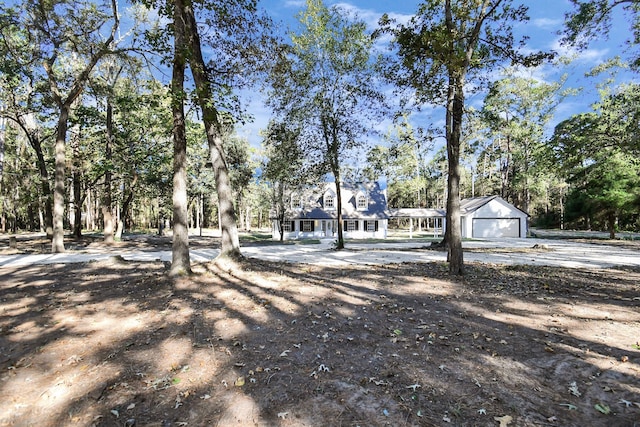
116, 343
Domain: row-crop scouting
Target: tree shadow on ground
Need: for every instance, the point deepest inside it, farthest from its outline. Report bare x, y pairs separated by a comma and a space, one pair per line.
119, 343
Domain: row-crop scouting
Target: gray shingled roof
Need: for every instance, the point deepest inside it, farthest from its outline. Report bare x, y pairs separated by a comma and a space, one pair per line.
376, 209
474, 203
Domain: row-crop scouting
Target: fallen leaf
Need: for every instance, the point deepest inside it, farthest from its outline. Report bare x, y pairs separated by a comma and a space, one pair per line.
603, 408
570, 406
573, 389
504, 420
239, 382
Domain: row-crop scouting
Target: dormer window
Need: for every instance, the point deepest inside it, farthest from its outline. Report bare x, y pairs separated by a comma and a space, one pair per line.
329, 202
361, 202
296, 201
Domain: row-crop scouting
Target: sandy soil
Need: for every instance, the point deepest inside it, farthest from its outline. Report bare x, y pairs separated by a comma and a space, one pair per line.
117, 343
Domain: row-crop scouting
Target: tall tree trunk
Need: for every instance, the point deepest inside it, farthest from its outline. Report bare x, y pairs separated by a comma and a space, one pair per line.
107, 209
33, 136
125, 217
612, 225
3, 124
230, 243
3, 127
57, 242
340, 244
64, 106
46, 192
281, 209
453, 238
77, 187
180, 248
329, 129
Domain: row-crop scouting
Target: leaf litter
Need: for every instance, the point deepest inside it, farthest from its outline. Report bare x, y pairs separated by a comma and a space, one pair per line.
378, 345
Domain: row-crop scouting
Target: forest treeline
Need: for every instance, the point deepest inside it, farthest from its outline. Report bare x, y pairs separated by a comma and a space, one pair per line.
94, 104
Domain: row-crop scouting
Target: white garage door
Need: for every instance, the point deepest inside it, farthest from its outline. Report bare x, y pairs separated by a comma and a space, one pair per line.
496, 227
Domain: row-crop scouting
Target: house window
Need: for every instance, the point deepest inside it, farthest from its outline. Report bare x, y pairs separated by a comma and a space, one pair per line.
307, 225
372, 225
288, 226
295, 201
350, 225
328, 201
362, 202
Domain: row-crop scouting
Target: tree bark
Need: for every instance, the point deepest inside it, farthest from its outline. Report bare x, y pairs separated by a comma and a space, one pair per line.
33, 135
107, 209
230, 243
281, 209
453, 237
180, 248
77, 187
612, 225
57, 242
340, 244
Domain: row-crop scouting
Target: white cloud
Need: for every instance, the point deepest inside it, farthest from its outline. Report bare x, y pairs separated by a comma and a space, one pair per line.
297, 4
370, 16
548, 23
588, 56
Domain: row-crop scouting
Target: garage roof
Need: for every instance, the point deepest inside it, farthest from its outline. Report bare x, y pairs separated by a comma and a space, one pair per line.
472, 204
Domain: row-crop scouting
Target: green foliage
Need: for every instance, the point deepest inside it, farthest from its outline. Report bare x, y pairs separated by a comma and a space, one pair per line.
403, 161
325, 84
597, 153
612, 125
448, 38
606, 192
516, 111
591, 19
284, 157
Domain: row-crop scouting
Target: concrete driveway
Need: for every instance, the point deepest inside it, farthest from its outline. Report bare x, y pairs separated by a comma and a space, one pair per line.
558, 253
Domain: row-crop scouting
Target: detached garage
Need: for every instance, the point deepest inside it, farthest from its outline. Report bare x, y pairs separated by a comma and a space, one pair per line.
492, 217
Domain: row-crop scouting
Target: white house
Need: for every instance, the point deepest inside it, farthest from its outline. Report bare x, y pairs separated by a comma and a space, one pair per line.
314, 214
365, 215
491, 217
480, 217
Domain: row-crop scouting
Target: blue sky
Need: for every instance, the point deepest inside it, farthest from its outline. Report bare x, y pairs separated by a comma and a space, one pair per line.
546, 20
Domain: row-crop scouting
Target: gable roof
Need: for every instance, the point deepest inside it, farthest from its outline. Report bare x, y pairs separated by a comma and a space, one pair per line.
472, 204
376, 202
